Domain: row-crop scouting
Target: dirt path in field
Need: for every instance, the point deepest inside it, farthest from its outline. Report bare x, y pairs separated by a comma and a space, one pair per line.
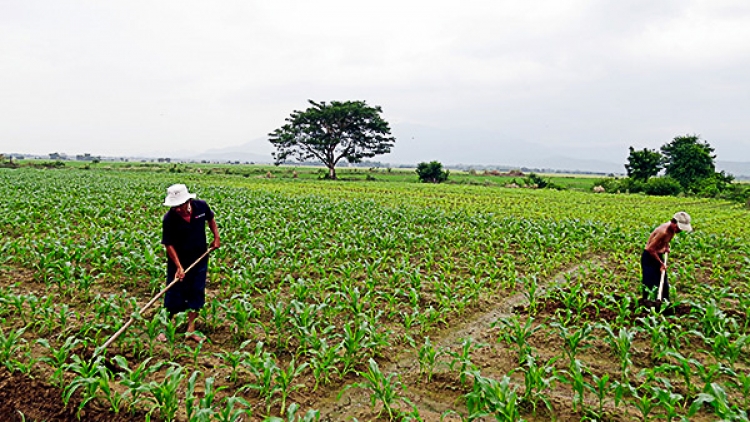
436, 400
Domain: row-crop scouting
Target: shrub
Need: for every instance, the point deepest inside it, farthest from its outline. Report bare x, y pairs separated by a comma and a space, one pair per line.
662, 186
431, 172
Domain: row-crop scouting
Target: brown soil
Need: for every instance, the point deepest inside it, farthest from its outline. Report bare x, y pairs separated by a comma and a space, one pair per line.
31, 399
26, 399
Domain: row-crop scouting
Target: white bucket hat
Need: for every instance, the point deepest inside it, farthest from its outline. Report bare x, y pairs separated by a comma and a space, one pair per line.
177, 195
683, 221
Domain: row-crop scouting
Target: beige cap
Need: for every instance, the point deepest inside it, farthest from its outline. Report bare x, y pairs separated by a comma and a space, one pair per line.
683, 221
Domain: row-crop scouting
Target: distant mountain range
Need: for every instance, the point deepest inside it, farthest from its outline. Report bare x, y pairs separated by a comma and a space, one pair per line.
738, 169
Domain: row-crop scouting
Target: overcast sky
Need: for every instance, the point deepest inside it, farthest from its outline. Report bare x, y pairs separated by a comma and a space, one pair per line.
482, 82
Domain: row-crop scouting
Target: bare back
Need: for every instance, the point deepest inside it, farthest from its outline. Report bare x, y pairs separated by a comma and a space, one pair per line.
658, 242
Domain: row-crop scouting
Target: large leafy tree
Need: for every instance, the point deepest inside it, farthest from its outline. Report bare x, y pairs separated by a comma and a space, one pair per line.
689, 160
643, 164
349, 130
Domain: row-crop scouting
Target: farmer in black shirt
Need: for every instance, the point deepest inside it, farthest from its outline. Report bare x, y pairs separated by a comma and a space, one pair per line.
184, 236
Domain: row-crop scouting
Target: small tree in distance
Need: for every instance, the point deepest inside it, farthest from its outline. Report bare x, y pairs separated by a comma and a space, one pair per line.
432, 172
643, 164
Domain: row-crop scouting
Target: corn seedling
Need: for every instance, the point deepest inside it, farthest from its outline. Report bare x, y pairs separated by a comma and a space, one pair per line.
323, 360
265, 371
135, 379
87, 379
574, 339
57, 358
200, 409
230, 412
383, 389
515, 334
621, 344
715, 396
462, 358
601, 387
284, 380
537, 381
427, 356
164, 394
492, 398
291, 415
10, 344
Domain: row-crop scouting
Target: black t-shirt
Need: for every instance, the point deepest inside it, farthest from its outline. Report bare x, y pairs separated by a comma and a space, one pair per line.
188, 239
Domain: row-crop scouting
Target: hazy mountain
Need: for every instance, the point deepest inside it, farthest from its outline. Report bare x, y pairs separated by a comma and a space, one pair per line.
735, 168
242, 153
563, 163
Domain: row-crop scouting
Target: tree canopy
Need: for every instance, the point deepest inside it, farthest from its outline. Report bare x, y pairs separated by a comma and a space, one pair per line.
643, 164
349, 130
688, 160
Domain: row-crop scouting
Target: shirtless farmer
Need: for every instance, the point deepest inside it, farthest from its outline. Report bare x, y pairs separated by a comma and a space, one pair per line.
652, 258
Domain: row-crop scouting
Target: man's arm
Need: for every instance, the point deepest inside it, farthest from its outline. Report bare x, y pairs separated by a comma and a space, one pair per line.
172, 254
215, 230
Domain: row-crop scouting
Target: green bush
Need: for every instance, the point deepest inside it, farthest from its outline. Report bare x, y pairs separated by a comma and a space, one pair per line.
662, 186
431, 172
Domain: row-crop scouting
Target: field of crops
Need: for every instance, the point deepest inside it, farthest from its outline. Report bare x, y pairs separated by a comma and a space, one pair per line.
367, 301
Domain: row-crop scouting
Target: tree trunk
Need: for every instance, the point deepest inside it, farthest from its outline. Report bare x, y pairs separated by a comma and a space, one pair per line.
332, 172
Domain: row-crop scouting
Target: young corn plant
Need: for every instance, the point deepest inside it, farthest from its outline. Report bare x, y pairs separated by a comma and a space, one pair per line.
265, 371
428, 356
600, 387
462, 358
323, 361
284, 380
281, 320
492, 398
383, 389
537, 381
164, 395
87, 379
684, 368
574, 340
233, 359
532, 286
241, 312
741, 383
170, 326
193, 352
575, 377
135, 379
10, 345
669, 402
311, 415
57, 358
353, 345
716, 397
518, 335
229, 411
112, 397
200, 408
654, 327
644, 399
621, 344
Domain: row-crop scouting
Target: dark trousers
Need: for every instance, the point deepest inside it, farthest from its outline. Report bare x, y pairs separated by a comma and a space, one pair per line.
651, 270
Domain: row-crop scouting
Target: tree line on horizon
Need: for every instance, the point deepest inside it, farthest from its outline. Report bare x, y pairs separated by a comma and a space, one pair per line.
352, 131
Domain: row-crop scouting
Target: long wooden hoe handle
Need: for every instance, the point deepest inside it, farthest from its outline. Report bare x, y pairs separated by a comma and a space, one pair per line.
151, 302
661, 281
